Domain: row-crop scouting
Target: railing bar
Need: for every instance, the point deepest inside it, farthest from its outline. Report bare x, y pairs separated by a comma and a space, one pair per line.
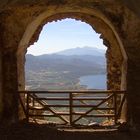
56, 106
35, 98
81, 113
105, 100
72, 106
23, 107
96, 108
115, 110
77, 106
82, 106
93, 98
121, 105
51, 115
71, 109
27, 107
74, 91
57, 98
99, 116
49, 107
33, 103
63, 114
51, 110
93, 108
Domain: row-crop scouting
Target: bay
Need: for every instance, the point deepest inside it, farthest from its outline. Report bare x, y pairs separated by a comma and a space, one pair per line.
94, 81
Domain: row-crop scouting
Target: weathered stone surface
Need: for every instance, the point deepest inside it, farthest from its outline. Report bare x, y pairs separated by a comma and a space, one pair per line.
22, 20
1, 104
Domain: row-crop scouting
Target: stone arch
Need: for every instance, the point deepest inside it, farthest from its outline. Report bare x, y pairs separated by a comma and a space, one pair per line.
99, 22
49, 16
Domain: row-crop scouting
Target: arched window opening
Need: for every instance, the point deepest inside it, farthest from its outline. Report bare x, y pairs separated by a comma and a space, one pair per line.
69, 55
66, 69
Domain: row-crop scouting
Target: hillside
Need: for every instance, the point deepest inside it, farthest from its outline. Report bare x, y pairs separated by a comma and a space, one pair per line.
65, 63
53, 69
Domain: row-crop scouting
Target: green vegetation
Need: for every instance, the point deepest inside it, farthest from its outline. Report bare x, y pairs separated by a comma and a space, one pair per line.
52, 80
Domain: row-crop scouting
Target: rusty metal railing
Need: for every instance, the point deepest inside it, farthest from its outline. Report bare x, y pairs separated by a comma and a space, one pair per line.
71, 106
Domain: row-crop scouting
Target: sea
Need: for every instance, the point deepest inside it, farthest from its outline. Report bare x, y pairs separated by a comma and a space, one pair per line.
91, 82
94, 81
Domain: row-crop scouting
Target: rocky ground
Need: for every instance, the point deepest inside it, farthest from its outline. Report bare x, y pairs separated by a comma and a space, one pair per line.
24, 131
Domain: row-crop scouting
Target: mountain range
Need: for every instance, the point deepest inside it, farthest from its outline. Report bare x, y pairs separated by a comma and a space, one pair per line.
83, 51
75, 60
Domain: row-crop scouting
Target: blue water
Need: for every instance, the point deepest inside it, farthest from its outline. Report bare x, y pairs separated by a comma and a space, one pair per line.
94, 81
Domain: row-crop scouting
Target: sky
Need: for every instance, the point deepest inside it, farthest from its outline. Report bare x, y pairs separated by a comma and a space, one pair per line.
65, 34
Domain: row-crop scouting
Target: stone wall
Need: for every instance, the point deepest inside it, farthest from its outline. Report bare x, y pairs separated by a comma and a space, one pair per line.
132, 46
1, 104
20, 25
9, 68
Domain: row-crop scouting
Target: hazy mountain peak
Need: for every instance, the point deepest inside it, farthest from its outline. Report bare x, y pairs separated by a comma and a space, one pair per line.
83, 51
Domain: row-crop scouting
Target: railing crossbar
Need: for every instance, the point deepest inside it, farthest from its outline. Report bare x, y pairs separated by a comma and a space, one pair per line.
74, 91
93, 108
52, 110
85, 99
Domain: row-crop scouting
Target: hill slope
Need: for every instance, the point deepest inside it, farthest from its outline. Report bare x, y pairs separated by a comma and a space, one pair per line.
71, 63
51, 70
